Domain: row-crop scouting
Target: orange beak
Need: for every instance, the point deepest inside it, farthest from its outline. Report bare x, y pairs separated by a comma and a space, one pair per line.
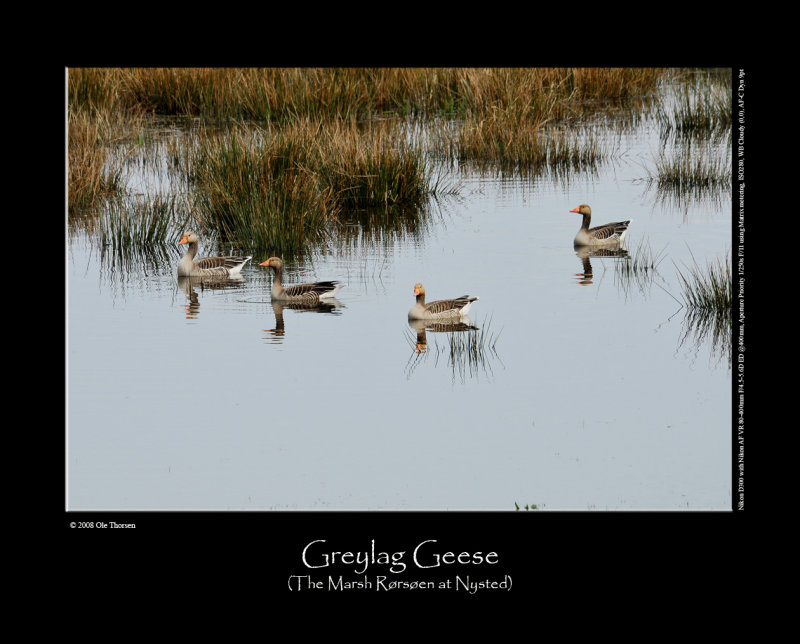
575, 210
264, 263
183, 240
416, 292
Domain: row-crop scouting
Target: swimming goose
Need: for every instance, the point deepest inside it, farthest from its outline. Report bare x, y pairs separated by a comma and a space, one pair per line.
207, 266
307, 293
441, 308
606, 235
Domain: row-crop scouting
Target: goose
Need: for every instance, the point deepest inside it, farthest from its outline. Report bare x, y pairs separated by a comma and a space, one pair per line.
306, 293
606, 235
441, 308
207, 266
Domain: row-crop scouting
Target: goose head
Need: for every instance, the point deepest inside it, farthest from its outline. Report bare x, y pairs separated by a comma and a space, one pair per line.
189, 238
583, 209
273, 262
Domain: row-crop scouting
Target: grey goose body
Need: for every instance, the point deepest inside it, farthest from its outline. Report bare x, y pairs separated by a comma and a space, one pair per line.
439, 309
606, 235
309, 293
207, 266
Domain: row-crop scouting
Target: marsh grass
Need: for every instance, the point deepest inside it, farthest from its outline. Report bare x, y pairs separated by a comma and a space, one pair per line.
702, 107
639, 267
134, 233
282, 188
282, 95
373, 166
93, 172
287, 151
260, 190
94, 89
133, 222
708, 291
707, 295
703, 329
687, 168
691, 171
523, 148
469, 352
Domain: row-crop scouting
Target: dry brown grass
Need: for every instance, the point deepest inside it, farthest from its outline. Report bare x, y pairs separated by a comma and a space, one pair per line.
91, 171
319, 138
534, 94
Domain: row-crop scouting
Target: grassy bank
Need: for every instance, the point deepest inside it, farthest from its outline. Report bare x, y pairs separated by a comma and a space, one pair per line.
277, 155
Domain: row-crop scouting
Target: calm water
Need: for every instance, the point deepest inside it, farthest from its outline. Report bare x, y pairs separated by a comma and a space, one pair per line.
592, 394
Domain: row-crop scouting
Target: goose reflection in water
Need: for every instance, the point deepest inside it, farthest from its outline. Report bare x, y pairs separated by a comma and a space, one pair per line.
585, 253
467, 349
423, 326
214, 283
329, 305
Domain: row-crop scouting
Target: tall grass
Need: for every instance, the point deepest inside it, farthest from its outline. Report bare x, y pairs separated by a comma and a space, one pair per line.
97, 90
261, 190
702, 108
320, 144
469, 350
281, 188
137, 222
687, 166
710, 290
691, 169
373, 166
285, 94
134, 233
528, 148
639, 268
707, 295
93, 172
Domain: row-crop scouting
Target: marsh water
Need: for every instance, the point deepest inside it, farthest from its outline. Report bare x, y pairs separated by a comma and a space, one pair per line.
584, 388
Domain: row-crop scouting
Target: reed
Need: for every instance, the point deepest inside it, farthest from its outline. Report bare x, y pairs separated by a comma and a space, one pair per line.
712, 331
639, 267
691, 169
543, 95
137, 222
285, 94
641, 260
93, 172
702, 108
469, 350
282, 188
321, 144
100, 138
602, 84
95, 90
259, 188
708, 291
373, 166
503, 142
707, 295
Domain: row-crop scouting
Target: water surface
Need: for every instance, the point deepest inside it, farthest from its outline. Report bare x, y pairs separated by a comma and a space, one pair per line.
592, 394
